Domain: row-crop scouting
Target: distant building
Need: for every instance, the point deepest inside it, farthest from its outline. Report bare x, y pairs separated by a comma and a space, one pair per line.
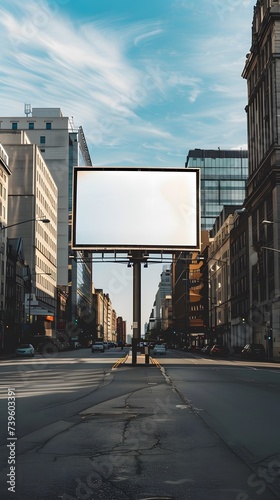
156, 320
121, 330
223, 175
190, 295
105, 324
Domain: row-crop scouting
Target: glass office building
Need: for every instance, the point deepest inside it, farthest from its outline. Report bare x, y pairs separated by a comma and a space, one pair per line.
223, 175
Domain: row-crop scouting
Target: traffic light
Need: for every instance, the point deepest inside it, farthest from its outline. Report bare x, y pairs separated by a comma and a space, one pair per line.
269, 337
269, 334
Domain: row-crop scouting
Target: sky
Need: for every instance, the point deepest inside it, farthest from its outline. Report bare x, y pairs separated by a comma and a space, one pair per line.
146, 80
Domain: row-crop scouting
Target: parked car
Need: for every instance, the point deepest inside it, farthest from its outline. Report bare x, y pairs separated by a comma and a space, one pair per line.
219, 350
253, 351
25, 350
112, 344
98, 347
206, 349
159, 349
106, 345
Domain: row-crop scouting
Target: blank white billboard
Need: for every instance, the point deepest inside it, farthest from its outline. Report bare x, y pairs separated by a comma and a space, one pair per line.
118, 208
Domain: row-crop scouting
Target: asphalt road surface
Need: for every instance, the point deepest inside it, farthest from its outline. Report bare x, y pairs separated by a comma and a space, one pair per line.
188, 428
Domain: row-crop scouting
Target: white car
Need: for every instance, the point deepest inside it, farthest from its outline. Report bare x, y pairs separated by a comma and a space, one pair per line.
25, 350
159, 349
98, 346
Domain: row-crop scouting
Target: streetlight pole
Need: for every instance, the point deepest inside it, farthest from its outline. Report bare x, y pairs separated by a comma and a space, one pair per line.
41, 219
270, 248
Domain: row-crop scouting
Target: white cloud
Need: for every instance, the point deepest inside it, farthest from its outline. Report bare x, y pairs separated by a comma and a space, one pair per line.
125, 100
147, 36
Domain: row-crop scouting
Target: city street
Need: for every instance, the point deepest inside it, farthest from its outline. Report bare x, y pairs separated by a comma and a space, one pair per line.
188, 427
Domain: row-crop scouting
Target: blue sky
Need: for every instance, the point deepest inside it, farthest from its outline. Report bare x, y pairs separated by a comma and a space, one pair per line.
147, 81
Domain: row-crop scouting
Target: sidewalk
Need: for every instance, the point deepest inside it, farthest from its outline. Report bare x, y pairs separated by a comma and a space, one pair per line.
141, 360
275, 359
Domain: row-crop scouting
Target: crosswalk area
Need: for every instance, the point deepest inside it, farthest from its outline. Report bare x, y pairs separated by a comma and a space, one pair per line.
34, 377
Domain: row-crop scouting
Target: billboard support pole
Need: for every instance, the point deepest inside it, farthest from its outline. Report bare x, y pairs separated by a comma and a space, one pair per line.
136, 258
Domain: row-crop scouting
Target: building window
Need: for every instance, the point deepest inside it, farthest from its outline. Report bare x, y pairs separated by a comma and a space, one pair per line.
48, 126
42, 150
42, 139
31, 126
14, 126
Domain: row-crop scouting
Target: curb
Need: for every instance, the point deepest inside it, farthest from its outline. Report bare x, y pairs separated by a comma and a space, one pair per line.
155, 362
120, 361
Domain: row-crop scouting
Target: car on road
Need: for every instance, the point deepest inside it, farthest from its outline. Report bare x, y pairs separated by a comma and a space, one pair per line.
159, 349
106, 345
98, 347
206, 349
25, 350
253, 351
219, 350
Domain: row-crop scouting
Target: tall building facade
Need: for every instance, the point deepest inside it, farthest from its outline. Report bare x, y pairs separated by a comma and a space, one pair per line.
32, 198
62, 147
5, 174
262, 204
223, 175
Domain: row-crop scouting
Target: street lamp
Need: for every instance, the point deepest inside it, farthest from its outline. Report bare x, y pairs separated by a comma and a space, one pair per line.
270, 248
270, 221
41, 219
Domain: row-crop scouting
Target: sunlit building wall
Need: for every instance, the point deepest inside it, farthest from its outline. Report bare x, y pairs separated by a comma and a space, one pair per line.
100, 311
4, 185
32, 194
114, 326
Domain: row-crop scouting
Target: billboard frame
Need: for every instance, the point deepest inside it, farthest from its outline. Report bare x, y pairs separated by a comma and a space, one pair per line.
151, 249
